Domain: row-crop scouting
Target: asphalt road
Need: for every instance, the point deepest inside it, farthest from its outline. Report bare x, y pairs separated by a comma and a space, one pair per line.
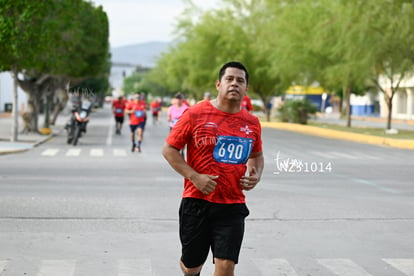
323, 207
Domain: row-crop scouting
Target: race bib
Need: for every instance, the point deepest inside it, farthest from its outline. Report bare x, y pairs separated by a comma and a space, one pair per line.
118, 110
174, 121
139, 113
232, 149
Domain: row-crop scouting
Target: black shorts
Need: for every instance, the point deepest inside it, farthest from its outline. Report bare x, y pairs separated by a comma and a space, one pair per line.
140, 125
205, 225
119, 119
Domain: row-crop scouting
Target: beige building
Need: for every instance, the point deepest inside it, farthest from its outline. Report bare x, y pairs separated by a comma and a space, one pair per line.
403, 101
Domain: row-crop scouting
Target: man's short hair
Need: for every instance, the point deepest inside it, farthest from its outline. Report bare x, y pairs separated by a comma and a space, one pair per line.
233, 64
179, 96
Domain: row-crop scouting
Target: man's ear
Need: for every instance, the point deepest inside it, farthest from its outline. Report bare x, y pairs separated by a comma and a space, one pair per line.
217, 84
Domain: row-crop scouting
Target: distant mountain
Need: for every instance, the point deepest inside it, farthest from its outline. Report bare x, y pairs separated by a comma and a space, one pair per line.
143, 54
123, 57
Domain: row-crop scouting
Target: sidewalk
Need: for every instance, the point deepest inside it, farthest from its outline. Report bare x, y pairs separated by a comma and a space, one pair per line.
359, 121
366, 122
24, 141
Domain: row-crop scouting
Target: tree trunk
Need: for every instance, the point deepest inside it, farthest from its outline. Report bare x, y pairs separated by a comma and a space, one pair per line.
48, 92
34, 89
389, 116
15, 120
347, 97
59, 106
267, 110
31, 116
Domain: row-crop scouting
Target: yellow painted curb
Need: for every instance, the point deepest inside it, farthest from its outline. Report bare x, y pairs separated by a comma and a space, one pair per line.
336, 134
45, 131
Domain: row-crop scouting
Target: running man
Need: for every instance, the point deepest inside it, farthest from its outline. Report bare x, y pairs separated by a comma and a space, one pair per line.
136, 110
247, 103
118, 109
224, 159
155, 109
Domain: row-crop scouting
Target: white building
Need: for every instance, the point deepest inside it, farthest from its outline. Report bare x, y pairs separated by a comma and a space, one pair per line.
6, 93
403, 101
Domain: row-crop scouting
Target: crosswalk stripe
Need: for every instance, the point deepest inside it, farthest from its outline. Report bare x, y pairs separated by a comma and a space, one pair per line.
265, 266
96, 152
403, 265
343, 267
57, 268
3, 264
274, 267
73, 152
134, 267
50, 152
119, 152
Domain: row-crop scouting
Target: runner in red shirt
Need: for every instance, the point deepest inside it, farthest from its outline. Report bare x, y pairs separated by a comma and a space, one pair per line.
224, 158
155, 109
118, 108
136, 110
247, 103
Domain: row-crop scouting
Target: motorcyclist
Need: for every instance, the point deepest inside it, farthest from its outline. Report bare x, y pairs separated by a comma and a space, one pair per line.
79, 106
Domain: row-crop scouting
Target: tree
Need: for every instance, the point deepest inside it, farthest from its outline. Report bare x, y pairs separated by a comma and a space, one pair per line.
132, 83
391, 40
71, 44
21, 39
322, 45
201, 50
347, 43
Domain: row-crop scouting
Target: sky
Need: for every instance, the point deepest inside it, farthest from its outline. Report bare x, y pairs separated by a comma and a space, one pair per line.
140, 21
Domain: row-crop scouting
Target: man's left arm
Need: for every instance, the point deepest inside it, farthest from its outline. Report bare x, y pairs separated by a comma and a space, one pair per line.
255, 166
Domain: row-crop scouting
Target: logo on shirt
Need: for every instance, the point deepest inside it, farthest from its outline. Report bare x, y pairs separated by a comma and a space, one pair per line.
206, 135
210, 124
246, 130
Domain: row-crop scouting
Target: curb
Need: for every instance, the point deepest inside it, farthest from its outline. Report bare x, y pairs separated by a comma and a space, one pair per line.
34, 144
5, 152
343, 135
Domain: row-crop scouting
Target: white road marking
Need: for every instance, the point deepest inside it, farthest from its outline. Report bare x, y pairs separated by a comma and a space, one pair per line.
134, 267
110, 132
404, 265
3, 265
57, 268
343, 267
50, 152
119, 152
73, 152
96, 152
274, 267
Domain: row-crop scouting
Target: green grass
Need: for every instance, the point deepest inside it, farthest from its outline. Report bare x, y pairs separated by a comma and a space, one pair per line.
402, 134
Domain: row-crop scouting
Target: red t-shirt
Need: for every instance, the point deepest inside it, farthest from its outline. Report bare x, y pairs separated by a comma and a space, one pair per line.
119, 107
247, 103
218, 143
138, 114
156, 107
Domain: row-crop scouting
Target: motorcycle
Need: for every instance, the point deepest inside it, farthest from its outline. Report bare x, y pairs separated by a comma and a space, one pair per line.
78, 124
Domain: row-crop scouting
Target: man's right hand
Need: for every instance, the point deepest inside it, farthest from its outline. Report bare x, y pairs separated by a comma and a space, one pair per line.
204, 182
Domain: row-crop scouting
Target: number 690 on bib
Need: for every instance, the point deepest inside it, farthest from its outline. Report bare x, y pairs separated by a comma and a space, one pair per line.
232, 149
